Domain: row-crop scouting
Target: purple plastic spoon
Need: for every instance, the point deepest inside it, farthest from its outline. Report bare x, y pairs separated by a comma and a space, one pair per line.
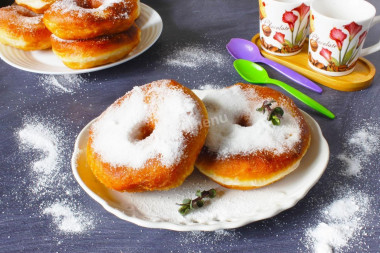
247, 50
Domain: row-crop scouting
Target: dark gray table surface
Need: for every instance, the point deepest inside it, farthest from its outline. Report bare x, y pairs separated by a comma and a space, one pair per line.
208, 24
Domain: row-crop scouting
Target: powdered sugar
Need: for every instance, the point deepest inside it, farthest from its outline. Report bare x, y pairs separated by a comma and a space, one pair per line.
62, 83
37, 136
229, 205
209, 238
353, 164
117, 132
366, 139
67, 218
226, 137
195, 57
32, 21
49, 188
209, 86
340, 222
72, 7
360, 146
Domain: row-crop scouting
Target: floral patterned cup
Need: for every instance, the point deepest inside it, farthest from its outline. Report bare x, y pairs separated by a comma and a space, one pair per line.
284, 25
337, 32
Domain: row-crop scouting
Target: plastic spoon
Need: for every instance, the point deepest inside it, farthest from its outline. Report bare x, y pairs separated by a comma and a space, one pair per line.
247, 50
254, 73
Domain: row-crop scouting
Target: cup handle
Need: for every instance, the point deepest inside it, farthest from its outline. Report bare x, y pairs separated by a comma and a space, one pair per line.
376, 47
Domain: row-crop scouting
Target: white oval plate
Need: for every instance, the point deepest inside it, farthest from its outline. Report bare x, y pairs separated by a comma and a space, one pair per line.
230, 209
46, 62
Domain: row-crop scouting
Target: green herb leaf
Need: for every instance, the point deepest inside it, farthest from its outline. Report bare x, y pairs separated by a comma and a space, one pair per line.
200, 203
184, 210
189, 204
212, 193
278, 111
276, 115
266, 105
276, 121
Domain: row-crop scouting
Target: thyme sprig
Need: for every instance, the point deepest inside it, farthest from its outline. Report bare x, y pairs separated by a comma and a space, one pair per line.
189, 204
275, 114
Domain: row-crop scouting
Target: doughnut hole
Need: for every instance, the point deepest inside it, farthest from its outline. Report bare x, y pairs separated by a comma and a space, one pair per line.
244, 121
93, 4
142, 131
27, 14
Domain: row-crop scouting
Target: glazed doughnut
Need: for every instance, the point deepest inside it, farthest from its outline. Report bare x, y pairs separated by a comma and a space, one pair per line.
81, 54
85, 19
148, 139
22, 28
244, 150
38, 6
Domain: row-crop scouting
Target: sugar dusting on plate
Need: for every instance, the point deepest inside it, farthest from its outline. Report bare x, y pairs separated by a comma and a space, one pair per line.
50, 188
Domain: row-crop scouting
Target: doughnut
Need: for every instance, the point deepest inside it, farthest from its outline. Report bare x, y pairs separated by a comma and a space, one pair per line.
85, 19
22, 28
244, 150
148, 139
82, 54
38, 6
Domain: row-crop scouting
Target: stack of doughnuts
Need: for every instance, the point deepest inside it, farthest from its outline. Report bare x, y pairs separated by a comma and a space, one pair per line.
89, 33
152, 137
82, 33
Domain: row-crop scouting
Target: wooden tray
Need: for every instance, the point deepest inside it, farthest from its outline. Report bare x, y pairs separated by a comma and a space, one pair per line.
361, 78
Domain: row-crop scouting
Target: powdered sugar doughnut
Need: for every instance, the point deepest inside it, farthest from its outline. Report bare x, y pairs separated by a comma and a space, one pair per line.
85, 19
22, 28
38, 6
148, 139
243, 149
82, 54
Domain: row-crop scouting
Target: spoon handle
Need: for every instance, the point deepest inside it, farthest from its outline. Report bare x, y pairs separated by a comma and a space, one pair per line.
296, 77
304, 98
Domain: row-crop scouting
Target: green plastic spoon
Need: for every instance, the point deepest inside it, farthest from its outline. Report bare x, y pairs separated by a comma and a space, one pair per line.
254, 73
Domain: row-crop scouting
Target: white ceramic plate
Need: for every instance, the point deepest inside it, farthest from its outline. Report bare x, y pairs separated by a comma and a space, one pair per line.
230, 209
45, 61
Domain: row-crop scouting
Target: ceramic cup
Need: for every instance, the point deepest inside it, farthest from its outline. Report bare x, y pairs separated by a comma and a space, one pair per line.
338, 29
284, 25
